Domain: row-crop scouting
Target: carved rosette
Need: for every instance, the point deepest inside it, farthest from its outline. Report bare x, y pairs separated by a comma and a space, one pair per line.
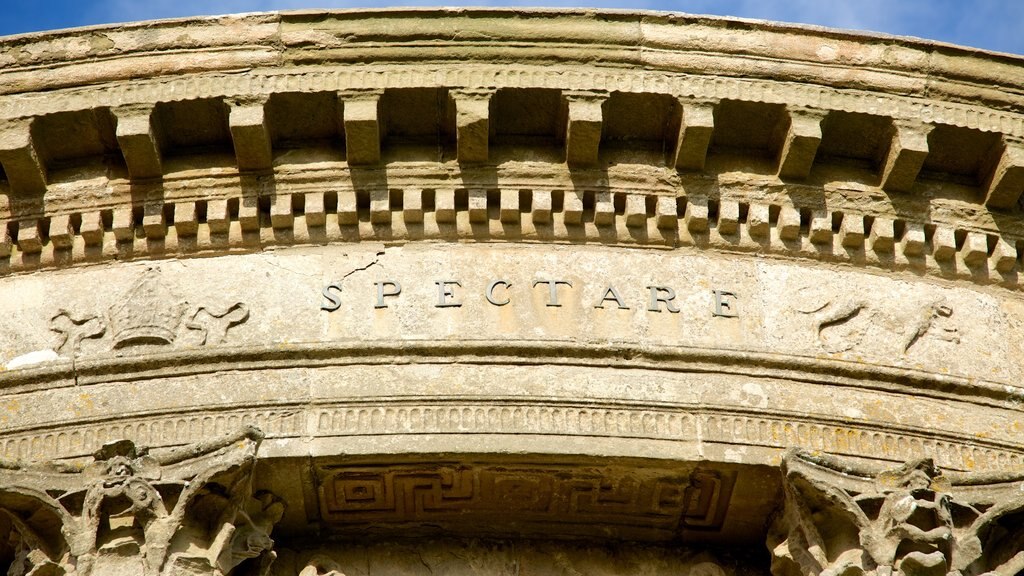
190, 510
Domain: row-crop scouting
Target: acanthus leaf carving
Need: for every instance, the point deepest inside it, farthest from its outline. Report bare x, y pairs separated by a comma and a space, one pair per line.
187, 510
841, 519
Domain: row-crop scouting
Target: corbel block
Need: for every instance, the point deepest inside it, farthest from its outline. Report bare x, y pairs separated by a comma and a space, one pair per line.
789, 223
912, 243
123, 225
975, 249
361, 124
800, 137
636, 210
380, 206
348, 209
851, 231
540, 206
249, 213
218, 217
1005, 183
728, 217
30, 240
137, 137
477, 199
472, 124
572, 207
314, 209
604, 209
281, 215
92, 228
882, 237
186, 221
944, 244
509, 206
21, 158
758, 222
1004, 256
412, 205
821, 227
250, 135
444, 205
696, 217
61, 232
583, 128
905, 155
695, 130
153, 224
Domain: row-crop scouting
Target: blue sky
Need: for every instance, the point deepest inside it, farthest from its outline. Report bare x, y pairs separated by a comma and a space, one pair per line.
990, 24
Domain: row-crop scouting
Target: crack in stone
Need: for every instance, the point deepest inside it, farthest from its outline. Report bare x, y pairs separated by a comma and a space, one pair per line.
375, 262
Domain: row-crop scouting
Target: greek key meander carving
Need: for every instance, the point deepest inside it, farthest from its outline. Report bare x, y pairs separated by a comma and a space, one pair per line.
472, 495
128, 512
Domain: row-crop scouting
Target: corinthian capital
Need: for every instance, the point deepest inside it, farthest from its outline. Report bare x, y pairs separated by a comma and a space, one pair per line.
128, 511
842, 519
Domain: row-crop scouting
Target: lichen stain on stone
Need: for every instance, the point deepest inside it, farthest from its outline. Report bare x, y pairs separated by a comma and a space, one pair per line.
99, 43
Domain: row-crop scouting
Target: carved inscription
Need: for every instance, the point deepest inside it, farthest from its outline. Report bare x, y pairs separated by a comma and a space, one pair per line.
571, 500
451, 293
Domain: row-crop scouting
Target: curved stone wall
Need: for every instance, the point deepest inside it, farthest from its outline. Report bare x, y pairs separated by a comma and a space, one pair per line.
579, 249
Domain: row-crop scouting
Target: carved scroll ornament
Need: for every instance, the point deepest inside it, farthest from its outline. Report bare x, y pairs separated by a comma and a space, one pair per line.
840, 519
187, 511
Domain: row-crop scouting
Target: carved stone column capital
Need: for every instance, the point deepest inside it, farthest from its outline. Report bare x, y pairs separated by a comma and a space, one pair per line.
187, 510
842, 519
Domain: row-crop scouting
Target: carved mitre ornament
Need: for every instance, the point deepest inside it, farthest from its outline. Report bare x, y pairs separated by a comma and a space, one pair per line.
149, 314
840, 519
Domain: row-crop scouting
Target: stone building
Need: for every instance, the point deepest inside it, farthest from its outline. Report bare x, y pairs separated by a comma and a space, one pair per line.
506, 292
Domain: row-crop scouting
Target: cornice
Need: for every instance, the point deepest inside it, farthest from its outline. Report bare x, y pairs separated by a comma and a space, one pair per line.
96, 120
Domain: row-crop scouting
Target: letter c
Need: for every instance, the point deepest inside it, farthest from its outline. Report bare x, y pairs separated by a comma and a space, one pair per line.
490, 292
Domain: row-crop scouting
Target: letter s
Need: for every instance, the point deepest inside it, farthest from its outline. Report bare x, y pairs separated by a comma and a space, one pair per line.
333, 300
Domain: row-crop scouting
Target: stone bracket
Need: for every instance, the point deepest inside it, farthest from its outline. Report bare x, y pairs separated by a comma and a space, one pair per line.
21, 158
472, 124
695, 131
1005, 183
799, 137
905, 155
137, 136
250, 134
361, 125
583, 127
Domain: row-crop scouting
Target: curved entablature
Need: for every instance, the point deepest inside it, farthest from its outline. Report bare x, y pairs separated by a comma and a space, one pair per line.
508, 274
207, 135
